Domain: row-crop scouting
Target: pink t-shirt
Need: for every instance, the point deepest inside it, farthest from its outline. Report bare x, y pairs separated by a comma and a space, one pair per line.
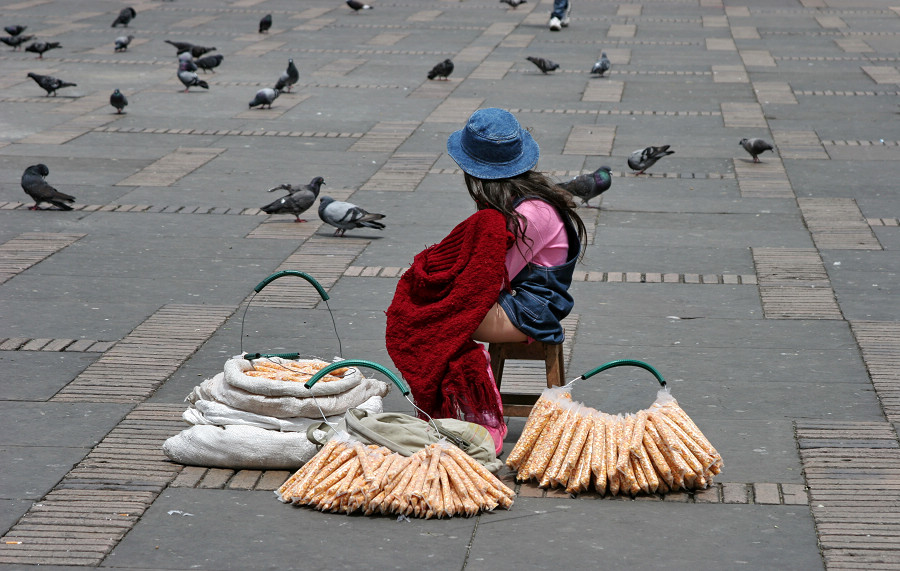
547, 243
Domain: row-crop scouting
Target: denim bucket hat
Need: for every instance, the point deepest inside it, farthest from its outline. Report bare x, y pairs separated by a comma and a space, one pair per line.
493, 145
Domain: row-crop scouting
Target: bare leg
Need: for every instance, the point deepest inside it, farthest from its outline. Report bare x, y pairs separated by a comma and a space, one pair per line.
497, 328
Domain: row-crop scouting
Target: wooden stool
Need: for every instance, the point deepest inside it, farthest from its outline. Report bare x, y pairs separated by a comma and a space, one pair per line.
519, 404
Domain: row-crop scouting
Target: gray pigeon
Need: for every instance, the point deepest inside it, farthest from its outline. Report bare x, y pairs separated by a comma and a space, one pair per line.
588, 186
514, 3
346, 216
37, 188
264, 96
755, 147
602, 65
125, 16
545, 65
190, 78
15, 42
198, 51
288, 77
298, 201
122, 43
207, 63
118, 100
265, 23
441, 70
40, 47
357, 6
49, 83
642, 159
185, 62
14, 30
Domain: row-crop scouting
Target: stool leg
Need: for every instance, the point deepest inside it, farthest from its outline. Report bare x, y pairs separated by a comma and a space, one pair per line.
554, 364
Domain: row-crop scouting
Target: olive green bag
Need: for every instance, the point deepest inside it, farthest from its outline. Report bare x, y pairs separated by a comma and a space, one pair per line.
406, 435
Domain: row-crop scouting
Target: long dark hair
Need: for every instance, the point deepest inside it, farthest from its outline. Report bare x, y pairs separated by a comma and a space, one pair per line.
502, 195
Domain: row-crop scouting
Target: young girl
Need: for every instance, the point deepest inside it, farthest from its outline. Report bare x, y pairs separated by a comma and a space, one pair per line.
502, 275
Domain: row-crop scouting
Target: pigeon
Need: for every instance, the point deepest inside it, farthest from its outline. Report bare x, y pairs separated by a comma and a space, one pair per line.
207, 63
602, 65
346, 216
40, 47
15, 42
441, 70
37, 188
642, 159
588, 186
185, 62
288, 78
265, 23
122, 43
181, 47
514, 3
14, 30
545, 65
298, 201
49, 83
755, 147
125, 16
265, 96
357, 6
118, 100
197, 51
190, 78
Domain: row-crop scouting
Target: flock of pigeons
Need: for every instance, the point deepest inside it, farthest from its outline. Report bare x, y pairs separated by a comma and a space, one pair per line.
342, 215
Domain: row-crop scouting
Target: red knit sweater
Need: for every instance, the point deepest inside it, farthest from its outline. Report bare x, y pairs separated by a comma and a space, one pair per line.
439, 302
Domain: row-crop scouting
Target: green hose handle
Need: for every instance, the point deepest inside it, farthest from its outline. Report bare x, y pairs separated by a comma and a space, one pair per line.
625, 363
297, 273
357, 363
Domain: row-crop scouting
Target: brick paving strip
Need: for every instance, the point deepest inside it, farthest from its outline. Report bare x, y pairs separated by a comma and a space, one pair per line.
793, 284
97, 503
852, 471
54, 345
29, 248
879, 342
837, 224
141, 361
172, 167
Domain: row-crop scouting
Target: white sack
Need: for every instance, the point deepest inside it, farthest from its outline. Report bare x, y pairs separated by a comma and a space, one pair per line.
239, 448
234, 376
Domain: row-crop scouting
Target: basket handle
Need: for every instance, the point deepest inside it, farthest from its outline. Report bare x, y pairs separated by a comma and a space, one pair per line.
259, 287
625, 363
357, 363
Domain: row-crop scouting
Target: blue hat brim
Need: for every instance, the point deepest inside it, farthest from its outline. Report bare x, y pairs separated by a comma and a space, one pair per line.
526, 160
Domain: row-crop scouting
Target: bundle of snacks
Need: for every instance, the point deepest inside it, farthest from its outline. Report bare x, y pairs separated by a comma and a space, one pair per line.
566, 444
438, 481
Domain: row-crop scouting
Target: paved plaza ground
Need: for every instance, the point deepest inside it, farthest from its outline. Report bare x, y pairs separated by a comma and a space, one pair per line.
765, 293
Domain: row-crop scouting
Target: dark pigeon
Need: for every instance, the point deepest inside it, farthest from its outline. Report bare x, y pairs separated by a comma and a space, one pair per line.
181, 47
264, 96
756, 147
514, 3
545, 65
15, 42
125, 16
588, 186
118, 100
40, 47
602, 65
357, 6
190, 78
288, 77
49, 83
122, 43
265, 23
346, 216
14, 30
208, 63
298, 201
441, 70
198, 51
37, 188
642, 159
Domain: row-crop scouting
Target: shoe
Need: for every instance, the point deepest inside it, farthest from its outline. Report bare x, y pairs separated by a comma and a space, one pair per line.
555, 24
565, 19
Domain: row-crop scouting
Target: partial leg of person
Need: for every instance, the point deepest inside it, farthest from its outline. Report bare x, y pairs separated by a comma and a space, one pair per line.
497, 328
560, 15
